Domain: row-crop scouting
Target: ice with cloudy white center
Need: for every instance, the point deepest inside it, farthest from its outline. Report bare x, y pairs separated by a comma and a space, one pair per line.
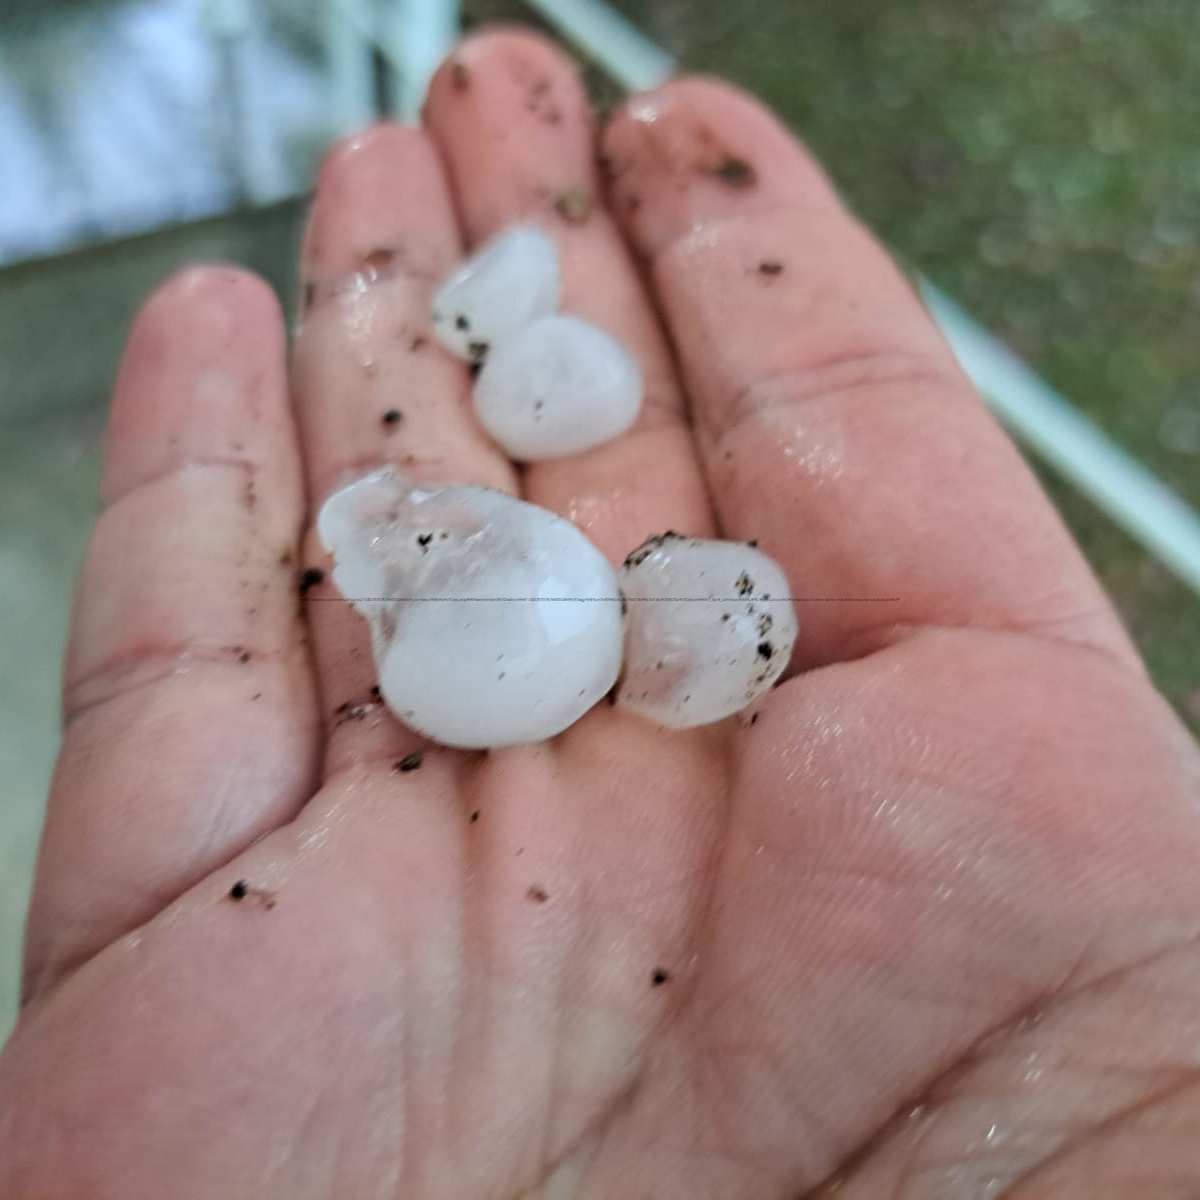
557, 387
513, 280
709, 630
493, 622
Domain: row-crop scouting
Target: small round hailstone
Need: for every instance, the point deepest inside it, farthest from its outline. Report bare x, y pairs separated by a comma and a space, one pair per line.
511, 281
493, 622
710, 628
557, 387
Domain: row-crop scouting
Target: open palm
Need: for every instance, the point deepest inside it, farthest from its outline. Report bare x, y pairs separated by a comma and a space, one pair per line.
923, 925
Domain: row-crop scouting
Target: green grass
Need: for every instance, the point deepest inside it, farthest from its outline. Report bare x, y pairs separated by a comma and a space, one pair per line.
1039, 159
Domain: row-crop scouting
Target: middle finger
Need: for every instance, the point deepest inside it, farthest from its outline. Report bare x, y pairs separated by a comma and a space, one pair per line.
514, 125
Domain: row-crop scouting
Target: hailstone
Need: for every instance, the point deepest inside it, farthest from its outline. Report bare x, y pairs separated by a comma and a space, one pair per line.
493, 622
558, 386
511, 281
710, 628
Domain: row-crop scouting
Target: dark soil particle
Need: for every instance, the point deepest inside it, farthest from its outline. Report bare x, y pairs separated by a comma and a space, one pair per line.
410, 762
244, 657
574, 205
770, 267
242, 889
643, 552
475, 816
461, 322
478, 351
380, 259
393, 417
660, 976
754, 718
537, 893
765, 650
743, 584
423, 540
375, 691
310, 577
735, 172
475, 368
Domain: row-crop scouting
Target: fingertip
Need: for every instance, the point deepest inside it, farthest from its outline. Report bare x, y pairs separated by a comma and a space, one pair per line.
698, 150
201, 377
511, 48
380, 192
372, 150
512, 118
220, 298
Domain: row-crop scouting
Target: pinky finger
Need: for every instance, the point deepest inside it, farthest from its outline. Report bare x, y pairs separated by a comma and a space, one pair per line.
188, 698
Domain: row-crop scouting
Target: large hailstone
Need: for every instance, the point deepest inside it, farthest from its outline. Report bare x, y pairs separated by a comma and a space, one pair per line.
557, 387
493, 622
710, 628
511, 281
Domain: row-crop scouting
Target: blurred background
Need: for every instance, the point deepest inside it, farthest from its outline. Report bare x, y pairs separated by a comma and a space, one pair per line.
1038, 159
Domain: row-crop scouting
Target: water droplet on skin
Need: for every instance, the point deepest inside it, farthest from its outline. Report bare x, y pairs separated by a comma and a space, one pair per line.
645, 110
558, 387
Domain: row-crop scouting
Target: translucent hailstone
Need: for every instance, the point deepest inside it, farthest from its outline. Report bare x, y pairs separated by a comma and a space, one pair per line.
494, 622
709, 629
511, 281
557, 387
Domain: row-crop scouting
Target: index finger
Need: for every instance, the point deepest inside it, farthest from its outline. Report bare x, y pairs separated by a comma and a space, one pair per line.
833, 421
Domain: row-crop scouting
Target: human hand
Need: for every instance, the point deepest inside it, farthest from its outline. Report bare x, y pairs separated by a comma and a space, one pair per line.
927, 923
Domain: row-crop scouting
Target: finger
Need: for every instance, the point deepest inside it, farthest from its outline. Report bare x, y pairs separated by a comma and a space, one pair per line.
372, 386
514, 126
188, 700
833, 422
